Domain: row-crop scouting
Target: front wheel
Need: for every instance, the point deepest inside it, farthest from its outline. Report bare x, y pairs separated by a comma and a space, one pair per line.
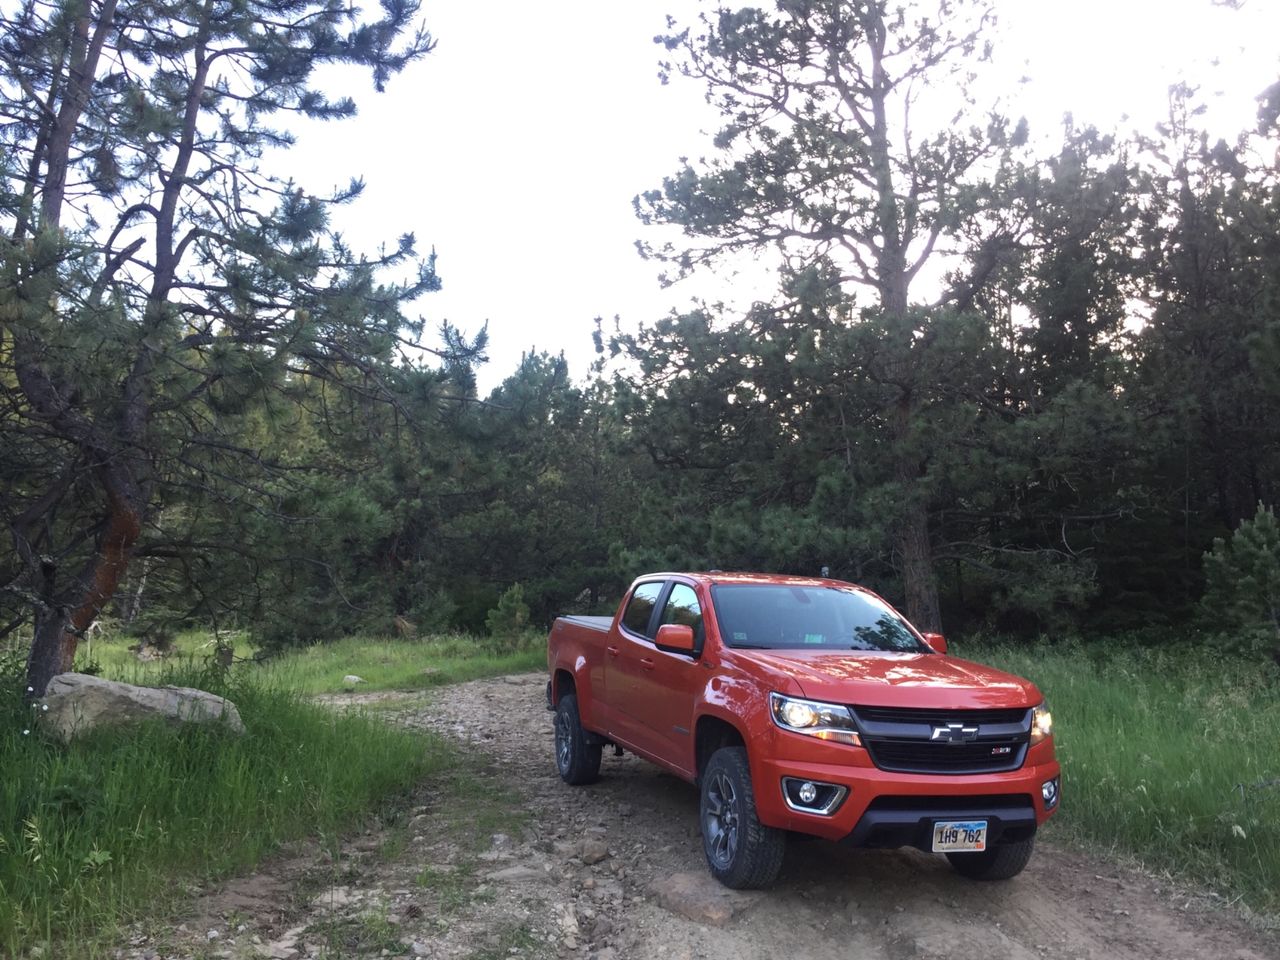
741, 852
577, 760
1001, 862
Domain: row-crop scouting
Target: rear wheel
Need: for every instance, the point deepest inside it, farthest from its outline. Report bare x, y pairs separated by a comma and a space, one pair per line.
577, 760
741, 851
1001, 862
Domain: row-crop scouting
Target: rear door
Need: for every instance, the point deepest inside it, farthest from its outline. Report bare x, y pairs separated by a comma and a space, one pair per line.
629, 657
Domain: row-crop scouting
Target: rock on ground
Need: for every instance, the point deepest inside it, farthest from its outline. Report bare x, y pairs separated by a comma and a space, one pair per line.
77, 703
700, 899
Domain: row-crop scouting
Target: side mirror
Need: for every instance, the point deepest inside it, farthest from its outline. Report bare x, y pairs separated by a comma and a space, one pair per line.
936, 640
675, 638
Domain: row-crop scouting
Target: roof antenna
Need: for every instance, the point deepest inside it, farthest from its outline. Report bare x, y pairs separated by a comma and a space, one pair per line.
826, 572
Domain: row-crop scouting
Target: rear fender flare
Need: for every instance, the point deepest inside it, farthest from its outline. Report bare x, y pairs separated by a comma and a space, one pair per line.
581, 674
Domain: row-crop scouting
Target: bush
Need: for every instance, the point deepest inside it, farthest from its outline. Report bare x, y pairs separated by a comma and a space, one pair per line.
1241, 602
508, 622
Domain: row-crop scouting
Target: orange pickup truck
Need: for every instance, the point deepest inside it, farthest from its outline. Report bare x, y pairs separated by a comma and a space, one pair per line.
809, 706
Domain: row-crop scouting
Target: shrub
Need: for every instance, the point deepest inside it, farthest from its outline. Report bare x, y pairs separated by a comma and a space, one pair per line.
508, 622
1242, 594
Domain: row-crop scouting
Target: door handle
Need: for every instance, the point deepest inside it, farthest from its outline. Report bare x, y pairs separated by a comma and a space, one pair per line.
646, 662
613, 651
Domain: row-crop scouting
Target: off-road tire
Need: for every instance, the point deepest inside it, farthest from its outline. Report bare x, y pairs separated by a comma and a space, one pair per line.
742, 853
577, 760
1001, 862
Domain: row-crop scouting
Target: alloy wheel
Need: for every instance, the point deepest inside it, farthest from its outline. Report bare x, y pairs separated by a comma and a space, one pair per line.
721, 823
564, 740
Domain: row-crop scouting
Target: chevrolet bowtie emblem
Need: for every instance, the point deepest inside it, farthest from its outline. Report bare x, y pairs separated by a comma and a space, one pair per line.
954, 733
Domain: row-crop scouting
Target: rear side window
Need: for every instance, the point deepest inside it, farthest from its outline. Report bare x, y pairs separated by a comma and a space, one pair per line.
640, 608
683, 608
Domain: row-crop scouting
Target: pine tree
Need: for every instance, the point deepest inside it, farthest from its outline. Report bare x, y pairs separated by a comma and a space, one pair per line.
1242, 596
851, 149
155, 280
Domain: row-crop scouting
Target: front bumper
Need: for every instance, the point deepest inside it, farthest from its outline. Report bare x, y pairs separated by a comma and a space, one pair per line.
887, 809
908, 821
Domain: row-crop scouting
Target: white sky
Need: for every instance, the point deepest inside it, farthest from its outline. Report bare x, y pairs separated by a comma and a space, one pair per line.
517, 146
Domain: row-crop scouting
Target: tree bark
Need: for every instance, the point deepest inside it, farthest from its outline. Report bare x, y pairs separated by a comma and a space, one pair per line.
86, 49
59, 626
914, 541
64, 615
915, 547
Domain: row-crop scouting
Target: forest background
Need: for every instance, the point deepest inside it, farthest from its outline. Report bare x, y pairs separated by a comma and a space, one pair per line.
1015, 391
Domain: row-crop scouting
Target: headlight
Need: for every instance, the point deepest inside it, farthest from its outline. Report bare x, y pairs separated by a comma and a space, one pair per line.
826, 721
1041, 724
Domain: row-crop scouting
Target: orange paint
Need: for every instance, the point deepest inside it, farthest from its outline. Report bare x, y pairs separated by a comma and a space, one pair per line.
651, 700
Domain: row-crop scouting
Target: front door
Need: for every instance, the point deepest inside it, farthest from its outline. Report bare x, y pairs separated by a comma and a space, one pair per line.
668, 688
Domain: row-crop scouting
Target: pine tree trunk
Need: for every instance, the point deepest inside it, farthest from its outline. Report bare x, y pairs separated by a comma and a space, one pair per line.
916, 551
915, 547
52, 650
59, 628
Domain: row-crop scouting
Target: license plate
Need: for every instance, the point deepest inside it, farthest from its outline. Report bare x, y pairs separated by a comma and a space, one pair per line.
950, 836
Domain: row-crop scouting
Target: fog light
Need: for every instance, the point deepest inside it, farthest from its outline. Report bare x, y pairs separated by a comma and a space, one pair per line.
1049, 790
809, 796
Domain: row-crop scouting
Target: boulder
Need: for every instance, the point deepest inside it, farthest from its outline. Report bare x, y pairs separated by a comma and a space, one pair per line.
696, 897
76, 703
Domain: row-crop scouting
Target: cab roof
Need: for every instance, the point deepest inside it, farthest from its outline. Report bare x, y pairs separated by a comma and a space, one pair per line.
710, 577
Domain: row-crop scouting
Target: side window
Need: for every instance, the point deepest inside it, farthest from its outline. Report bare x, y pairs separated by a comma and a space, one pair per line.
683, 608
640, 608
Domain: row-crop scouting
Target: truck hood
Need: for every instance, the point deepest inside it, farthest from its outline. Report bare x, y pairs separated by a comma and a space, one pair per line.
923, 680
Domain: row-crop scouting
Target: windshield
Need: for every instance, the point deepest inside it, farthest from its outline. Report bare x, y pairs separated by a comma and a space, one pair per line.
784, 617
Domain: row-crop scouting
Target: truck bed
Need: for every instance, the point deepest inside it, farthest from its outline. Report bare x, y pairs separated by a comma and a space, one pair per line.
598, 624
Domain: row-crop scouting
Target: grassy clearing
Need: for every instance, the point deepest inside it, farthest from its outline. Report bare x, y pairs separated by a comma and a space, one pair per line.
114, 827
1169, 756
382, 663
400, 664
95, 834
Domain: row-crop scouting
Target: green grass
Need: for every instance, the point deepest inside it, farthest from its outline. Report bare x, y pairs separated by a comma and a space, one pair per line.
399, 664
93, 834
114, 827
369, 933
1168, 756
382, 663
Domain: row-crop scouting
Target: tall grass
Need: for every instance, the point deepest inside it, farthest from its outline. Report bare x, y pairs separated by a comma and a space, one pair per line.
381, 663
1171, 756
95, 833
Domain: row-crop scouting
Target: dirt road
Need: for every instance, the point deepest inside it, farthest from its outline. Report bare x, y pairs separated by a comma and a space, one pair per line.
507, 861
